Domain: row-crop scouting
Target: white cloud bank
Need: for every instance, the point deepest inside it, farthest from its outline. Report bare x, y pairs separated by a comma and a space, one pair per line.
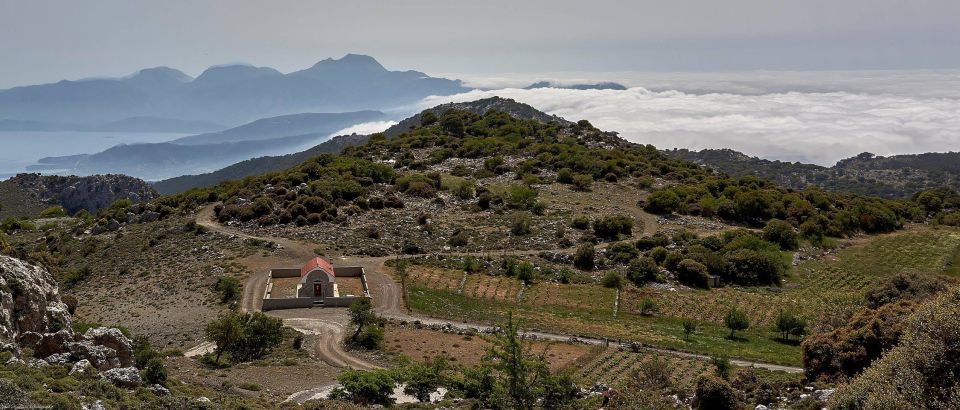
365, 128
817, 127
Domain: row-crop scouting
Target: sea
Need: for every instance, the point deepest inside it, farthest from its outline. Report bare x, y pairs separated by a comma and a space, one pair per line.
20, 149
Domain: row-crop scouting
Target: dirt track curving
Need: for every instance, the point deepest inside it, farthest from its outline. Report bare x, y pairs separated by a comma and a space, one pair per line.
386, 298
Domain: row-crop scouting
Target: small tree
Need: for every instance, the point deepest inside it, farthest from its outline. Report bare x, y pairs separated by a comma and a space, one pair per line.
789, 324
424, 378
362, 316
512, 357
226, 331
366, 388
736, 320
689, 328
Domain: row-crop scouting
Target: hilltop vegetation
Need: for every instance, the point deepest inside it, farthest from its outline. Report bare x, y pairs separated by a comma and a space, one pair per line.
897, 176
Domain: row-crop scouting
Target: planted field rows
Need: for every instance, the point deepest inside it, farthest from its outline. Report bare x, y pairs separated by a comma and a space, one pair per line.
614, 368
816, 288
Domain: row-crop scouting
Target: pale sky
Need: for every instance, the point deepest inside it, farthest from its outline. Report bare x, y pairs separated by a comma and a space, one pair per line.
45, 41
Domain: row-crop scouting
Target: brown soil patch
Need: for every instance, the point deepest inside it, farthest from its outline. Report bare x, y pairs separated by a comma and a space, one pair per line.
274, 382
349, 286
422, 344
284, 288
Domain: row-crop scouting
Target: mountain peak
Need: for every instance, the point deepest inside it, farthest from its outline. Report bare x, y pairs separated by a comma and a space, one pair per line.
350, 63
234, 72
157, 78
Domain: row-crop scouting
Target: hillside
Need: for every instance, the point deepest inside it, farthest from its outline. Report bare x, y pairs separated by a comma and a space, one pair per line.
474, 215
27, 194
231, 94
285, 125
258, 166
898, 176
255, 166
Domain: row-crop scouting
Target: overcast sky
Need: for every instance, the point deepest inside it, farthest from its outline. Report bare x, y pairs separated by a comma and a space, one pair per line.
43, 41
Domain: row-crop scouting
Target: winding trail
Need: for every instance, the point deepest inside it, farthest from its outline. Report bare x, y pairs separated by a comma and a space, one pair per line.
329, 325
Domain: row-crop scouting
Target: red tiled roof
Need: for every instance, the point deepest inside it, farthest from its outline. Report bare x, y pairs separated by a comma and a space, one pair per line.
316, 263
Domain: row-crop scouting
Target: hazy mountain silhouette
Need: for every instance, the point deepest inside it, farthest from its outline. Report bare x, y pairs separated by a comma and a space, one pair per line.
211, 151
231, 94
586, 86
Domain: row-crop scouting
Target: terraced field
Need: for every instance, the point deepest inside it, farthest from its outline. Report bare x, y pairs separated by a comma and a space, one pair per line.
816, 289
612, 367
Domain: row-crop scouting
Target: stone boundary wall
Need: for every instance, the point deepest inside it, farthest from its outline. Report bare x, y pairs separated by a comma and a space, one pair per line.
298, 303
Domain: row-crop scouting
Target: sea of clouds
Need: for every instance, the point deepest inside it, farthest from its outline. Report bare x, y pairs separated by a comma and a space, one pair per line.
814, 117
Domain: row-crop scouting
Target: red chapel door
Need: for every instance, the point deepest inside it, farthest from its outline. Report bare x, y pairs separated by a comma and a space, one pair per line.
317, 290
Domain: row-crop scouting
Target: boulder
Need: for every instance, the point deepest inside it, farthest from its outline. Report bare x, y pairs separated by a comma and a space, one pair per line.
50, 343
127, 377
822, 395
149, 216
81, 367
58, 358
97, 405
114, 339
159, 390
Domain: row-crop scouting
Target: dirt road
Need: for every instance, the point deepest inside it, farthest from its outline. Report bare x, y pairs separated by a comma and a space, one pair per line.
387, 299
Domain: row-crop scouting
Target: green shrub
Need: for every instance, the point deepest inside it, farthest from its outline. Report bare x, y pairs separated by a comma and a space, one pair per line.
612, 280
584, 257
693, 273
582, 182
53, 212
642, 270
228, 287
612, 226
580, 222
520, 224
782, 234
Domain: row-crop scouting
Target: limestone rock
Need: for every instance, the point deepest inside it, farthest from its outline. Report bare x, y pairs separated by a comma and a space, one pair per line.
127, 377
93, 192
33, 316
159, 390
29, 301
114, 339
82, 366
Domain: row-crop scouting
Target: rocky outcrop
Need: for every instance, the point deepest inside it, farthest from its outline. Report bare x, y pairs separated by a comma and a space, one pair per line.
32, 316
93, 192
127, 377
29, 301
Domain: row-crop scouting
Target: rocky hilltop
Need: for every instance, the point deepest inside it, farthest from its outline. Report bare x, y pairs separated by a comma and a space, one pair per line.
93, 192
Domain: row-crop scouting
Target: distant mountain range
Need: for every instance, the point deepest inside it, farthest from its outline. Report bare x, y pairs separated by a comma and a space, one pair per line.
589, 86
897, 176
210, 151
262, 165
229, 95
132, 124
